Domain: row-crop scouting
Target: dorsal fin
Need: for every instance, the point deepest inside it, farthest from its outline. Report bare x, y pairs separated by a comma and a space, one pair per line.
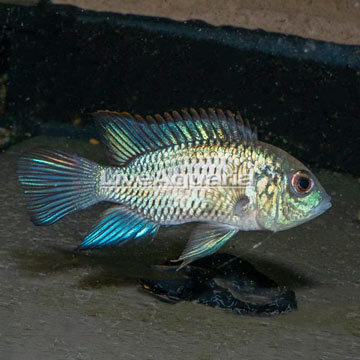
127, 136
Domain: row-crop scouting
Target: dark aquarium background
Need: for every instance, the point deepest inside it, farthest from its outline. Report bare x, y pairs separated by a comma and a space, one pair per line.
60, 63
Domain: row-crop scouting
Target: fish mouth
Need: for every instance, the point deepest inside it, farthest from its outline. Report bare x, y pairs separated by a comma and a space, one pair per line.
317, 211
326, 206
321, 208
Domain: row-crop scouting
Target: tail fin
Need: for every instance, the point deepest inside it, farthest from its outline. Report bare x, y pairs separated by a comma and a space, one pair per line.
57, 184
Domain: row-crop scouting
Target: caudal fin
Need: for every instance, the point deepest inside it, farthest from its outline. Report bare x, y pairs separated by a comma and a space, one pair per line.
57, 184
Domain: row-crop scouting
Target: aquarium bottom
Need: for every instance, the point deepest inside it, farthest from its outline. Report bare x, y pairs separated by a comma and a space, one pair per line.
224, 281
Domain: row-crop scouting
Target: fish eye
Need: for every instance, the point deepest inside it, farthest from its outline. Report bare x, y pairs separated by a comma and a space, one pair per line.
301, 182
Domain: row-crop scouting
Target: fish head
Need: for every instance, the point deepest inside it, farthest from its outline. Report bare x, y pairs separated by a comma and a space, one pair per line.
291, 195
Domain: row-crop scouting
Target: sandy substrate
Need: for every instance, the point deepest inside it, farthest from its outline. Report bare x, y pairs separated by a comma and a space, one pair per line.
20, 2
58, 304
330, 20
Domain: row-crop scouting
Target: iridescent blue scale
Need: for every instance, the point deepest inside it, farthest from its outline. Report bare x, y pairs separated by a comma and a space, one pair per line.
191, 144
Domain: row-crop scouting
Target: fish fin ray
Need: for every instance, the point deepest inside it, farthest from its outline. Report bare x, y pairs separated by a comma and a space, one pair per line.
234, 198
206, 239
117, 226
57, 184
127, 136
241, 205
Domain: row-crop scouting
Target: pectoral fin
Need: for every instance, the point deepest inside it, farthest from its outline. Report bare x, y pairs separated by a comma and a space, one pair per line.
205, 240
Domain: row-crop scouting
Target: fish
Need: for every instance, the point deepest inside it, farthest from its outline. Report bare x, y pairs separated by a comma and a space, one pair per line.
205, 166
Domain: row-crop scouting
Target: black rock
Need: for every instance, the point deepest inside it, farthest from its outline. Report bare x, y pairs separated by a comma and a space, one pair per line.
224, 281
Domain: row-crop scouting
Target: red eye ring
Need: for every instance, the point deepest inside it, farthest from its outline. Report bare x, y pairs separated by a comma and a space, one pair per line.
301, 182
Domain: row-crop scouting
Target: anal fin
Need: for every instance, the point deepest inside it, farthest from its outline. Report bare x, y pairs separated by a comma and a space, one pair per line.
117, 226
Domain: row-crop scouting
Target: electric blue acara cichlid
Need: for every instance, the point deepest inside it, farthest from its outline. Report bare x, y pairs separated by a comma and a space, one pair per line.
205, 166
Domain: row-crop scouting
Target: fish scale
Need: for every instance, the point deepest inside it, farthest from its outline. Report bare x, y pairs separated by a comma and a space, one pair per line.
206, 166
191, 160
